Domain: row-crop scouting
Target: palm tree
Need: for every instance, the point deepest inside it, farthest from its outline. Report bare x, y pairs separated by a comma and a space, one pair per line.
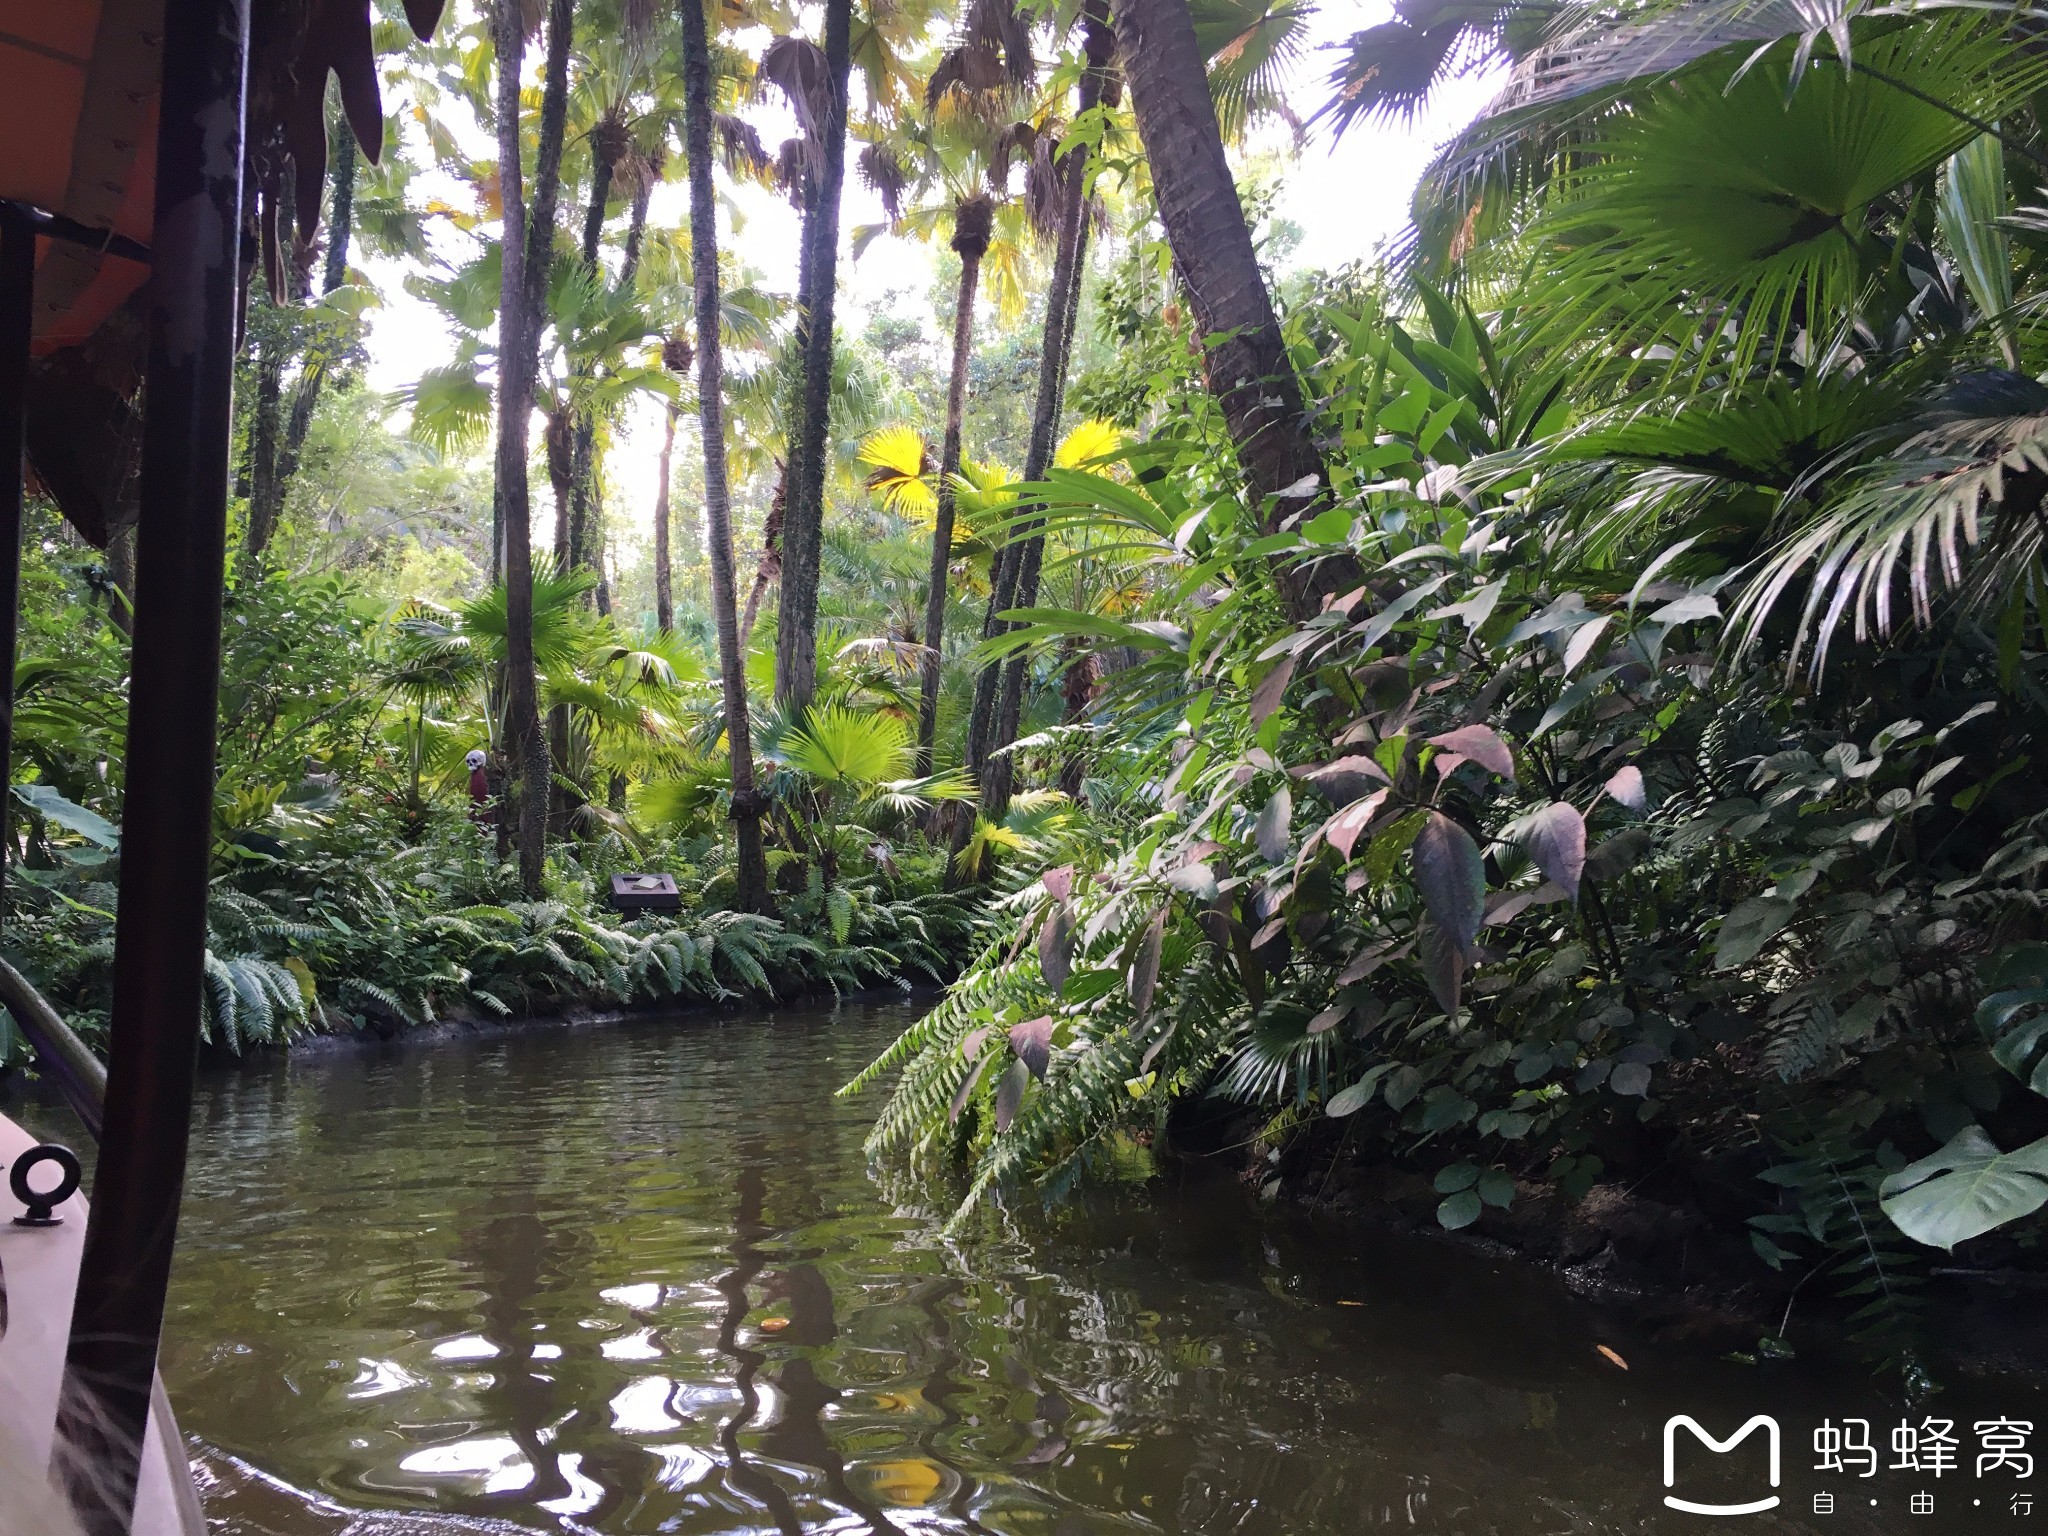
815, 80
516, 317
1247, 365
747, 802
1060, 182
676, 356
963, 156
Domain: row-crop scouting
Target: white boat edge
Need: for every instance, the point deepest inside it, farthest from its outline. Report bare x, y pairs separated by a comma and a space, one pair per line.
39, 1268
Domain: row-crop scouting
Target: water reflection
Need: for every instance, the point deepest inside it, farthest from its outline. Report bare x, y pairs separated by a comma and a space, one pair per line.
640, 1279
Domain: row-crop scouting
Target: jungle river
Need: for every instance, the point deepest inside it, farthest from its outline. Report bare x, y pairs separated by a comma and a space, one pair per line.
641, 1278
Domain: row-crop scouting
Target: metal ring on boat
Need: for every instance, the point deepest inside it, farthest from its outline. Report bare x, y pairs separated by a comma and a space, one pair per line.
42, 1204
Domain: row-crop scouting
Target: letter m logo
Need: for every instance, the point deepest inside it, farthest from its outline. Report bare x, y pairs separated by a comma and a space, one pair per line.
1720, 1447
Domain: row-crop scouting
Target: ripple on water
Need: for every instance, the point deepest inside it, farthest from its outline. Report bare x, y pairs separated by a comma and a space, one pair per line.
641, 1279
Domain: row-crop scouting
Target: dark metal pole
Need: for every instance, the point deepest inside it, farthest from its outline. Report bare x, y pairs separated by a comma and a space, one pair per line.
167, 815
17, 320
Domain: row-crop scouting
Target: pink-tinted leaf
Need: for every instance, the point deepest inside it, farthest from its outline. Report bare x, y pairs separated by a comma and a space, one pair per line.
1555, 837
1443, 965
1010, 1094
1268, 932
1626, 787
1058, 883
1481, 745
1452, 878
1145, 969
1329, 1018
1056, 947
1269, 832
1506, 906
964, 1092
1347, 778
1345, 828
1271, 690
971, 1046
1032, 1041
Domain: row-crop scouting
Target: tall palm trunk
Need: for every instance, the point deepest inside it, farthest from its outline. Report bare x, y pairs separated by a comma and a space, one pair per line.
747, 804
528, 749
664, 590
973, 219
608, 141
677, 356
796, 627
988, 714
1248, 369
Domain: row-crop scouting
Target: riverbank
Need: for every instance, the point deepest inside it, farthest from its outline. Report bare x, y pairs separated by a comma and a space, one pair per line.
1684, 1266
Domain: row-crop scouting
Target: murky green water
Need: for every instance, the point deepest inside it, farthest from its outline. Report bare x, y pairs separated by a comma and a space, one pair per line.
641, 1279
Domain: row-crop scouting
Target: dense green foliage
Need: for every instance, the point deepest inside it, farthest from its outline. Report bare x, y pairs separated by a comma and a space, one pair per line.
1661, 805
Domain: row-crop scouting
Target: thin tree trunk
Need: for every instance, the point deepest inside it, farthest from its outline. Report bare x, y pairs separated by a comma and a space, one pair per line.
340, 228
523, 734
664, 590
264, 437
583, 533
796, 649
747, 803
986, 715
636, 231
971, 252
1248, 369
771, 553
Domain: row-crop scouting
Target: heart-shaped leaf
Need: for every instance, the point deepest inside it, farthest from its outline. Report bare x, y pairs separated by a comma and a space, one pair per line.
1555, 838
1626, 788
1452, 878
1032, 1041
1058, 883
1480, 745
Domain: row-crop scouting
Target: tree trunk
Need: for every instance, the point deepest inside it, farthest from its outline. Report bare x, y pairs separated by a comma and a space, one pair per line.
796, 629
264, 437
985, 732
664, 591
771, 553
1248, 370
581, 545
971, 241
747, 804
516, 318
340, 228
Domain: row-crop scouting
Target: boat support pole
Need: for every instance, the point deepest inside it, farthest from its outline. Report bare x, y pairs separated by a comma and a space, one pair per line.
17, 319
167, 815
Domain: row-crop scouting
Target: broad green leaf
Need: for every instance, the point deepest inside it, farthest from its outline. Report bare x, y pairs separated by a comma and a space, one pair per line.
1966, 1189
1459, 1210
58, 811
1748, 927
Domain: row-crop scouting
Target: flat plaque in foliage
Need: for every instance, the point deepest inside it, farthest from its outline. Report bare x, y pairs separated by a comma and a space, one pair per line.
645, 893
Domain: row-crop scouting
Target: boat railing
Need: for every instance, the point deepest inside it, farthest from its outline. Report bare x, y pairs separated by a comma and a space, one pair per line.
80, 1075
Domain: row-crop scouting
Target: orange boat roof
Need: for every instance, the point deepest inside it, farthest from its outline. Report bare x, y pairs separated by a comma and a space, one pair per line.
78, 96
